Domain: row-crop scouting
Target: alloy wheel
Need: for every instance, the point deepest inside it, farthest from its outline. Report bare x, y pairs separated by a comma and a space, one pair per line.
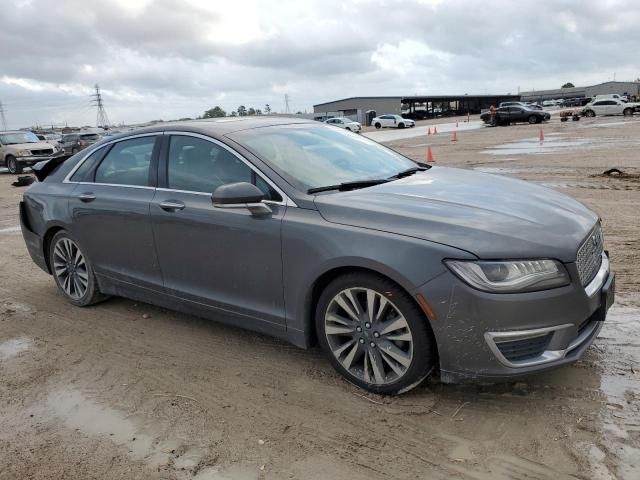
70, 268
369, 336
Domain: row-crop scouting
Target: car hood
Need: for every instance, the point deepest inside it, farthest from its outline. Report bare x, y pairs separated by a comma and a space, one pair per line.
31, 146
491, 216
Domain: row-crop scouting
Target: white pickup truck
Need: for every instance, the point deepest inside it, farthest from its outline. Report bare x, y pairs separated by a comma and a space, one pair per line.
19, 149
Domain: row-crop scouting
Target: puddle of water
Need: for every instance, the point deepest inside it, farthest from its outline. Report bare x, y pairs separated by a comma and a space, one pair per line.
240, 472
79, 413
14, 346
533, 146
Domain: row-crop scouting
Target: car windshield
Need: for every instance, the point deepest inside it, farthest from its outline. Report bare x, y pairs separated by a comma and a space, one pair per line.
18, 137
311, 156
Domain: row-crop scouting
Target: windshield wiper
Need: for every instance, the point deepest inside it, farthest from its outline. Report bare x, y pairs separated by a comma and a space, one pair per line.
349, 185
407, 172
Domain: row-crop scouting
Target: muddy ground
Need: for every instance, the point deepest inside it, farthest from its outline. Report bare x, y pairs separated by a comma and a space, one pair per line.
127, 390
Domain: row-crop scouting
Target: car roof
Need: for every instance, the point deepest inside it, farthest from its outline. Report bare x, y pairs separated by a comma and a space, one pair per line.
217, 127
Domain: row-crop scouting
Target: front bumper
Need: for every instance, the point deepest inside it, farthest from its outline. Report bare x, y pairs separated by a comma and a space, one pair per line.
32, 160
497, 337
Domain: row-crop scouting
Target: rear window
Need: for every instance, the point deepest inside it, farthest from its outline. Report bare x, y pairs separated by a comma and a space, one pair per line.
89, 136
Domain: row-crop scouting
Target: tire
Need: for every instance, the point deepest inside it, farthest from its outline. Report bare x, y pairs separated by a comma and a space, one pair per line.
74, 150
590, 113
390, 362
12, 165
401, 125
627, 112
377, 125
81, 289
532, 119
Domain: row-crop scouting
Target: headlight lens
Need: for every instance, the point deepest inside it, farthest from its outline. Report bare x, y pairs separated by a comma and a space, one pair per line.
23, 153
511, 276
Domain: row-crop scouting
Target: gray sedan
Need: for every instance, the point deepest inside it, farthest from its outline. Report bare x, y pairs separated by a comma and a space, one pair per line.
318, 236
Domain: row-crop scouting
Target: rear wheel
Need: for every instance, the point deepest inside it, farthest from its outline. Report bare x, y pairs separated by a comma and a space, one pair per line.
533, 119
589, 113
12, 165
72, 271
377, 125
627, 112
374, 334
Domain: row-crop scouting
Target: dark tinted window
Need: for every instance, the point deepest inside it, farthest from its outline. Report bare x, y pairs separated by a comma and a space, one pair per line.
83, 172
197, 165
127, 163
89, 136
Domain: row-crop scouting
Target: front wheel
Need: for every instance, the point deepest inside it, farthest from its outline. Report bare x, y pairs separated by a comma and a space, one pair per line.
589, 113
377, 125
13, 166
72, 271
627, 112
374, 334
533, 119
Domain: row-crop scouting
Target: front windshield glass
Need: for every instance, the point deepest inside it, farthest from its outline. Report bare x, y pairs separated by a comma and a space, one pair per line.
311, 156
18, 137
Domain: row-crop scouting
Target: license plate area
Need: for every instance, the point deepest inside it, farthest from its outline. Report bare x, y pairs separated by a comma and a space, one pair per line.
607, 297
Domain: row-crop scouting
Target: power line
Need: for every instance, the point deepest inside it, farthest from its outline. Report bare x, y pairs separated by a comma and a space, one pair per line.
101, 120
3, 119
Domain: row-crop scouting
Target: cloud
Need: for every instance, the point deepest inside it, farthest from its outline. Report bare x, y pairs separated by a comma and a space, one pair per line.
174, 58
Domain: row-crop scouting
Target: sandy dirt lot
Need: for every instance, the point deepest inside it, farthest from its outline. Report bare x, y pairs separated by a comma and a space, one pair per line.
126, 390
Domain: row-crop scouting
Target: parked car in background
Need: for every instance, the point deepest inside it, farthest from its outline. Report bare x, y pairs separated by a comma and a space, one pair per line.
72, 143
609, 96
610, 106
313, 234
344, 122
392, 121
516, 114
20, 149
549, 103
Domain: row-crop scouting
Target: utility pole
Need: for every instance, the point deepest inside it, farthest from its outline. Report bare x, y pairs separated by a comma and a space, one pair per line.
3, 119
101, 120
286, 103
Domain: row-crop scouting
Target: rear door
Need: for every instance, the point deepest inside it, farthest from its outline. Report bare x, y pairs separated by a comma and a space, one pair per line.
110, 210
224, 258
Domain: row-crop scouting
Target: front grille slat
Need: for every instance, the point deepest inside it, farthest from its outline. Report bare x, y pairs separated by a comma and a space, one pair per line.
44, 151
589, 257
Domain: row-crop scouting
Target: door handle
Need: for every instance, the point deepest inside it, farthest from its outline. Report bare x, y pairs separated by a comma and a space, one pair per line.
171, 205
87, 197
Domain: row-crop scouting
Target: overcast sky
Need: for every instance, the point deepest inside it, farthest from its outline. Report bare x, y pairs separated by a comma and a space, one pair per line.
165, 59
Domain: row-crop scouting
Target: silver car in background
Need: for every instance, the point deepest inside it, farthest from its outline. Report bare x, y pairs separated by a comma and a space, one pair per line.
318, 236
346, 123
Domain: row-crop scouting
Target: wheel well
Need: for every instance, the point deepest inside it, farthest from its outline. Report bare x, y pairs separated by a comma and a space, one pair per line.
325, 279
47, 241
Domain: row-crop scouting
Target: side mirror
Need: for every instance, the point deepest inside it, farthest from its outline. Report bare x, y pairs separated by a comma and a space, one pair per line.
240, 195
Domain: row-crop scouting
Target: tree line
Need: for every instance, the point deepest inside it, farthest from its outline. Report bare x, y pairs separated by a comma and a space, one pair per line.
241, 111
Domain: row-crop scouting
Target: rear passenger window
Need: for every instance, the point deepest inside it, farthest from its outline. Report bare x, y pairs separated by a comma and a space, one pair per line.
83, 173
127, 163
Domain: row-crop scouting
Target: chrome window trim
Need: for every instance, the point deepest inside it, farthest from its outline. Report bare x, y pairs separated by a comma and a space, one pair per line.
597, 282
269, 202
146, 187
67, 179
286, 200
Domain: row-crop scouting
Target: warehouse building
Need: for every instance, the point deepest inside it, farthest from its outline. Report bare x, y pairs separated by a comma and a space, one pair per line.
362, 109
630, 89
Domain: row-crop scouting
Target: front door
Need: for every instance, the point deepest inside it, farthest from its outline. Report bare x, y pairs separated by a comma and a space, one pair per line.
225, 258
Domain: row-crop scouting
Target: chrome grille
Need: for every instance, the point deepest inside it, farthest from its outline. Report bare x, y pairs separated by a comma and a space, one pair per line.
44, 151
590, 256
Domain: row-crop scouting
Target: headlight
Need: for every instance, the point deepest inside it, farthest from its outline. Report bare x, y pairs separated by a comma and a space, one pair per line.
23, 153
510, 276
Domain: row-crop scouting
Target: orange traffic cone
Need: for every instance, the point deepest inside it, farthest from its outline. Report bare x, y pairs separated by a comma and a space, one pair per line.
541, 135
454, 137
429, 131
435, 130
430, 155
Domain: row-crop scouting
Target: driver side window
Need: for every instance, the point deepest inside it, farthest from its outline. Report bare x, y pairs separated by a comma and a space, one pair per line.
197, 165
